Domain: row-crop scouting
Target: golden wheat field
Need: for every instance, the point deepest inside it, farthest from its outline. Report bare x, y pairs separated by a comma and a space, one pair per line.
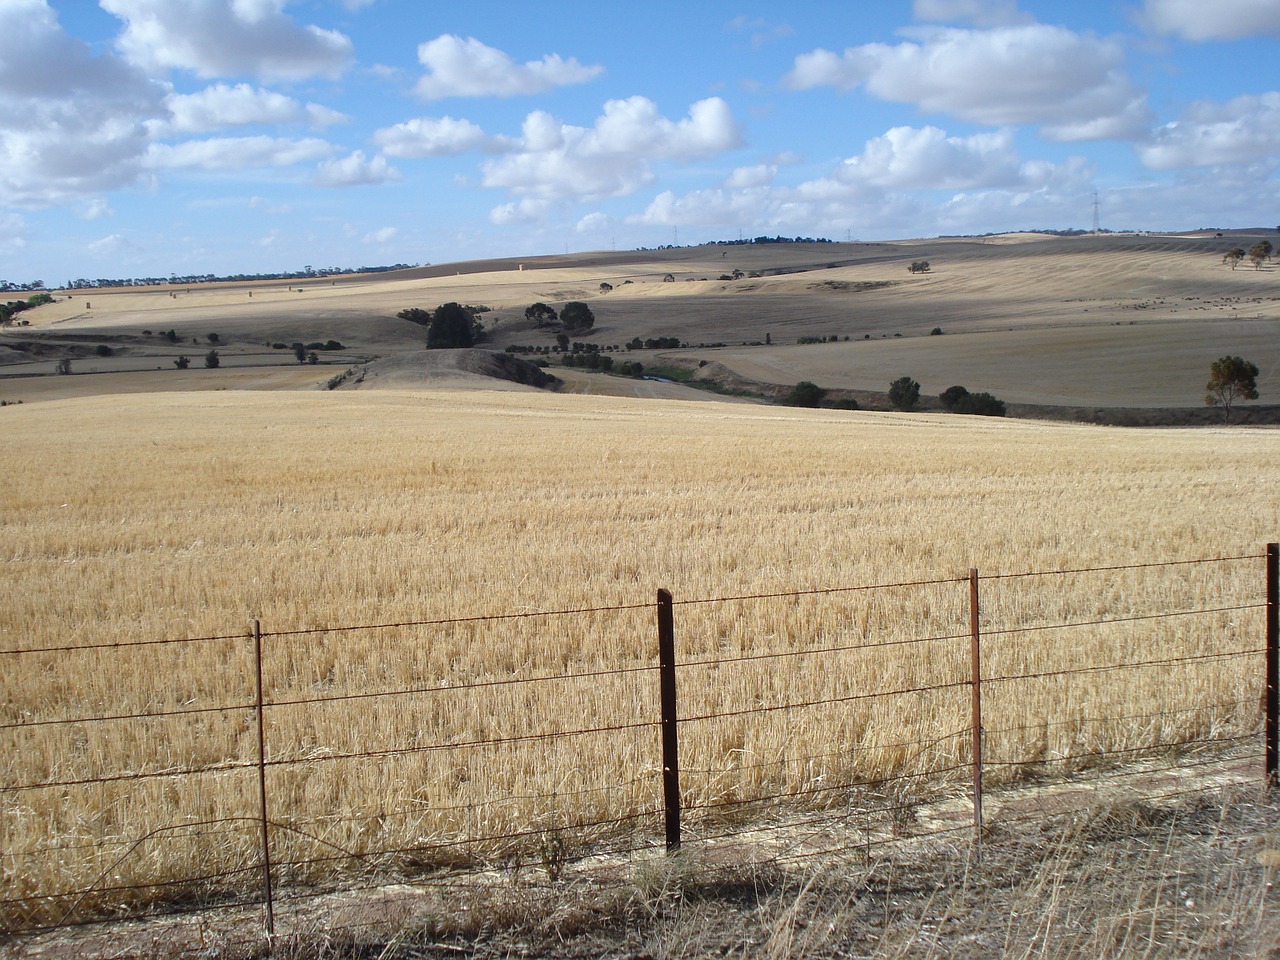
136, 519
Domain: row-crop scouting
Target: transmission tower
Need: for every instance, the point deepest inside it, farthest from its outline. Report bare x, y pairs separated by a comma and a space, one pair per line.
1097, 225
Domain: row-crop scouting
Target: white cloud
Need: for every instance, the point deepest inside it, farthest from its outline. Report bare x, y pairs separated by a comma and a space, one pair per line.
235, 153
983, 13
1240, 132
465, 67
114, 245
612, 158
221, 105
96, 209
385, 235
436, 137
71, 123
526, 210
885, 188
215, 38
595, 222
355, 170
756, 176
1201, 20
1070, 84
910, 158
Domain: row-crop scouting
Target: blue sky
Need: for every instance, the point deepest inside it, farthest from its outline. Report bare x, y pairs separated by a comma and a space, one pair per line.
158, 137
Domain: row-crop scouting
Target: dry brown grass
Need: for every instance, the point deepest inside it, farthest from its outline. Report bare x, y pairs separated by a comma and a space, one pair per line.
140, 518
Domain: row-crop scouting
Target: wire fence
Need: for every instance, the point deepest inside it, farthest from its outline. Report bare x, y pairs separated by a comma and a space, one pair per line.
266, 771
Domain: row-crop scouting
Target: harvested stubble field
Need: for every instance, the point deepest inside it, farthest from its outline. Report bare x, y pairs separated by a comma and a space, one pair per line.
132, 519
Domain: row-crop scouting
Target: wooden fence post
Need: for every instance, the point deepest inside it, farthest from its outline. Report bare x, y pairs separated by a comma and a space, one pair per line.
975, 682
1272, 719
262, 786
670, 731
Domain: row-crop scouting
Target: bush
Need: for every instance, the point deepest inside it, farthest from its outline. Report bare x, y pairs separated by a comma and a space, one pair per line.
952, 395
846, 403
211, 359
805, 394
576, 317
213, 338
904, 393
103, 350
980, 404
182, 363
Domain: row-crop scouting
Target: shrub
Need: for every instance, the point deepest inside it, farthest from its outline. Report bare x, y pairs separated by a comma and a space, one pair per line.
952, 395
980, 404
63, 366
182, 363
904, 393
103, 350
213, 338
846, 403
805, 394
332, 345
935, 332
211, 359
576, 317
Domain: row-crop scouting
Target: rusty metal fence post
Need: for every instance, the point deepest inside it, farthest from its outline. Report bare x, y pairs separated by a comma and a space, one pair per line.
262, 785
670, 731
1272, 719
975, 681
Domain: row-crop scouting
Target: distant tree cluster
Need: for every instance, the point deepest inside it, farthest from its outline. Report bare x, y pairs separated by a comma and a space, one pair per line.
777, 239
450, 325
919, 266
1258, 254
306, 273
959, 400
14, 307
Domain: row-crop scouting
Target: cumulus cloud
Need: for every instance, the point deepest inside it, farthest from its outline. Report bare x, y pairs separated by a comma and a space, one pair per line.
216, 38
222, 105
614, 157
465, 67
1239, 132
885, 187
595, 222
356, 170
756, 176
526, 210
910, 158
1198, 20
235, 153
385, 235
436, 137
71, 123
1070, 84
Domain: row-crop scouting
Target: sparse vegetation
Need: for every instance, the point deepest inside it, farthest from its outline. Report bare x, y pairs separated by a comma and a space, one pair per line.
182, 363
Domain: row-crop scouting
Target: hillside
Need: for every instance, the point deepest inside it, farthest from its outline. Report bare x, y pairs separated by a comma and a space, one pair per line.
1082, 322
